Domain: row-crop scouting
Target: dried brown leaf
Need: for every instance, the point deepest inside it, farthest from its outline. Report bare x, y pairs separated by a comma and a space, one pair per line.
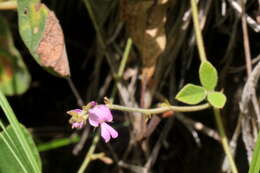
51, 50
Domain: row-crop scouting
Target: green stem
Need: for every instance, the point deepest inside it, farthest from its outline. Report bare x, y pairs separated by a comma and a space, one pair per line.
198, 34
224, 140
121, 67
161, 109
9, 5
89, 154
125, 58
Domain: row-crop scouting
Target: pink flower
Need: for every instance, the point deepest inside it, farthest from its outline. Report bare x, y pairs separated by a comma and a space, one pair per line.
77, 119
98, 116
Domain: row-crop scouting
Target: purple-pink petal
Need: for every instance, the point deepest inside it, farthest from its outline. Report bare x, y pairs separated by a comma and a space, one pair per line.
77, 110
93, 120
102, 112
92, 103
77, 125
107, 132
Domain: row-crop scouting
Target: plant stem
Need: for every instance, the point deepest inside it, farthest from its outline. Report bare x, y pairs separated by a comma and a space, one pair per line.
121, 67
125, 57
224, 140
198, 34
161, 109
89, 154
9, 5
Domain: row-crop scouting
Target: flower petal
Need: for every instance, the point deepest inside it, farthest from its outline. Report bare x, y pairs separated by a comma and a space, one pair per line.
108, 129
77, 125
74, 112
105, 132
93, 120
102, 112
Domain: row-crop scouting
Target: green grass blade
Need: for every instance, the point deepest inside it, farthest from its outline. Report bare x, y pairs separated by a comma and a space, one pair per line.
57, 143
19, 133
8, 143
255, 163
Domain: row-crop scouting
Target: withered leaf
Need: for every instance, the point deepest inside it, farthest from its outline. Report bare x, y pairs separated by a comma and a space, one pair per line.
51, 49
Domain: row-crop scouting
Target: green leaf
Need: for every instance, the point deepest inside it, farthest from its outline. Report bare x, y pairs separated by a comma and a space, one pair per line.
255, 163
14, 76
191, 94
208, 75
217, 99
43, 36
28, 150
14, 159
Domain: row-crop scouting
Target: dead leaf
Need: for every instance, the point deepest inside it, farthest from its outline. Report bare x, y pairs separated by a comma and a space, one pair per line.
51, 49
145, 22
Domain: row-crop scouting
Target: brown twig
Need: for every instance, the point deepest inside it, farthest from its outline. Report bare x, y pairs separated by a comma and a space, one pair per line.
249, 93
243, 67
198, 126
75, 92
252, 23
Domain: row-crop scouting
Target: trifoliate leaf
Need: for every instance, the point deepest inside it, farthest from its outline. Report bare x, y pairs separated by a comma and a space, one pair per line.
191, 94
217, 99
208, 76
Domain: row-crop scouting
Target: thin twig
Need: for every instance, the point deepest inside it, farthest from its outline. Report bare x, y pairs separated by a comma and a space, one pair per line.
252, 23
198, 126
75, 92
99, 35
246, 40
249, 89
243, 67
153, 156
82, 141
248, 61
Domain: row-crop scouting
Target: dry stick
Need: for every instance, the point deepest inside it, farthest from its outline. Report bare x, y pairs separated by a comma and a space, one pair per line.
252, 93
99, 35
158, 144
249, 88
198, 126
85, 133
75, 92
82, 141
241, 68
9, 5
248, 60
247, 95
251, 22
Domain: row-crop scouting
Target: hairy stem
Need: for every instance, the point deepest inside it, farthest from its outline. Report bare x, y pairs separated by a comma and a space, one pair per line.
161, 109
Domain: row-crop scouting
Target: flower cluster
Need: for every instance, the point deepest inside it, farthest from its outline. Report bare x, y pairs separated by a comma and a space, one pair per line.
97, 115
